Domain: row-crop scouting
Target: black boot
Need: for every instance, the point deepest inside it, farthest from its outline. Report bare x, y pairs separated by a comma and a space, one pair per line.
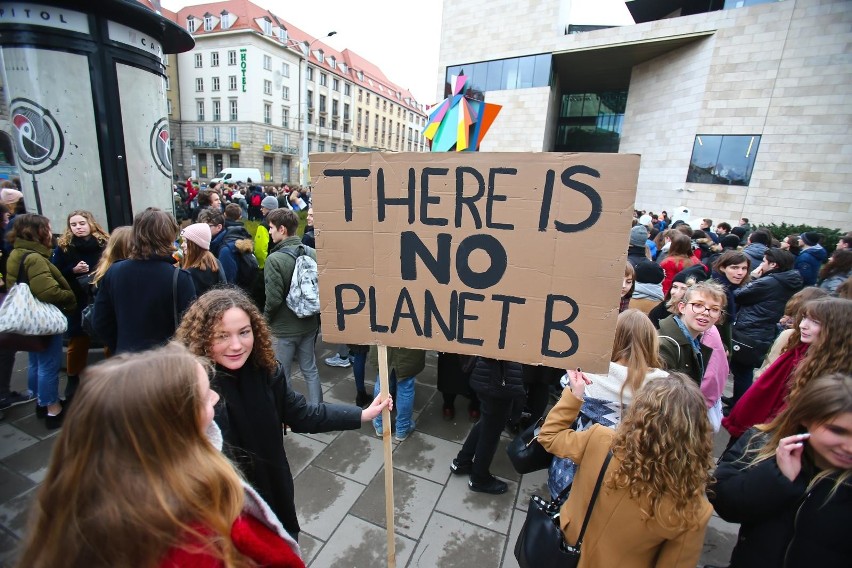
362, 399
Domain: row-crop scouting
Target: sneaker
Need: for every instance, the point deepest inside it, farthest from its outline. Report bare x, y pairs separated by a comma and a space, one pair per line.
493, 486
459, 468
378, 431
15, 398
337, 361
401, 436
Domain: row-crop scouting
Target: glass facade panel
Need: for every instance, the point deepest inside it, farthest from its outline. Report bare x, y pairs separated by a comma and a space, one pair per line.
502, 74
591, 122
541, 77
494, 78
725, 160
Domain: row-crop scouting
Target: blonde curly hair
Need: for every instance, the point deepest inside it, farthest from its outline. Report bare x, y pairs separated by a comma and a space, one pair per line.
197, 327
665, 444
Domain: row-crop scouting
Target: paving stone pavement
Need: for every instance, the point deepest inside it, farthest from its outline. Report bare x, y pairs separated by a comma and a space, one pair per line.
339, 480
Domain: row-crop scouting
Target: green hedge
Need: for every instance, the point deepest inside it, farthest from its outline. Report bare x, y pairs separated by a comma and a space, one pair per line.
830, 237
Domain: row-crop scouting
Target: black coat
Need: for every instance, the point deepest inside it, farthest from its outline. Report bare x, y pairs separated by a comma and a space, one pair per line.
88, 250
783, 524
134, 308
498, 379
760, 304
269, 471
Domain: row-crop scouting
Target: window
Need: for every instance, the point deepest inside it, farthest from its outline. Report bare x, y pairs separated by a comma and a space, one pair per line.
334, 147
282, 34
266, 25
335, 85
198, 59
310, 74
285, 93
169, 105
727, 160
360, 95
322, 103
310, 99
199, 108
233, 105
285, 69
321, 146
324, 79
267, 113
232, 57
199, 85
214, 59
267, 62
267, 87
199, 134
345, 148
215, 83
322, 121
286, 140
168, 84
232, 82
217, 110
320, 55
310, 144
590, 122
208, 23
335, 107
332, 62
216, 134
367, 101
232, 134
502, 74
190, 25
235, 160
334, 124
345, 111
269, 137
285, 117
347, 89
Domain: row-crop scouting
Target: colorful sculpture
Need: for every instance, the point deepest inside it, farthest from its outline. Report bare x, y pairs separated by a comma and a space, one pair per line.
459, 123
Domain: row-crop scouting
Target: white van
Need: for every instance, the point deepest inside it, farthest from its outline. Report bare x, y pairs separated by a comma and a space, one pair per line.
233, 175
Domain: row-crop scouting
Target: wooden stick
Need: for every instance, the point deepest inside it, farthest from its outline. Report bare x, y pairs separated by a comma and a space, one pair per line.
384, 379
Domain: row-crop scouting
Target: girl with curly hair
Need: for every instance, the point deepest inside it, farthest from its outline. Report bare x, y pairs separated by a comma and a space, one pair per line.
225, 326
789, 483
76, 255
820, 345
652, 509
136, 480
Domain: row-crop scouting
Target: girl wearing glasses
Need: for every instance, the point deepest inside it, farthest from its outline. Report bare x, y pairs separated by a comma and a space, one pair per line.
681, 348
226, 327
821, 344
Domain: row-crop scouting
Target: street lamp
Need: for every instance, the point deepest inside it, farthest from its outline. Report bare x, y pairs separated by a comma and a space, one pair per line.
303, 71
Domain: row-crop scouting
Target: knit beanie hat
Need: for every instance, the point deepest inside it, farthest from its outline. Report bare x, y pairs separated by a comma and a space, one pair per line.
729, 242
811, 238
648, 272
645, 220
269, 202
199, 233
638, 236
10, 196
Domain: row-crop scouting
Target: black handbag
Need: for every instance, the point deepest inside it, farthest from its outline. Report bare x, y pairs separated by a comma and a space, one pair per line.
542, 542
526, 454
747, 352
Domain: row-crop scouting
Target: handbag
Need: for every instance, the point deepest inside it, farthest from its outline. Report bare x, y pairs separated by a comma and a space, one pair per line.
526, 454
745, 351
542, 542
22, 313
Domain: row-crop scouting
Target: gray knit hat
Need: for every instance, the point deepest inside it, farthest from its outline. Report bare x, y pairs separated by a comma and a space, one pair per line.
269, 202
638, 236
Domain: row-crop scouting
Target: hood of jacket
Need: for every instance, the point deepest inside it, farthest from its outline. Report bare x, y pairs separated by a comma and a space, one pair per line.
818, 252
644, 291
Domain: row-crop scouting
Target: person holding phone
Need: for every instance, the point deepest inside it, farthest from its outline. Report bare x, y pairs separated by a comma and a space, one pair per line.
789, 483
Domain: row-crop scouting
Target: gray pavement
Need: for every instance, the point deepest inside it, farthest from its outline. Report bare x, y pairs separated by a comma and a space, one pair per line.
339, 479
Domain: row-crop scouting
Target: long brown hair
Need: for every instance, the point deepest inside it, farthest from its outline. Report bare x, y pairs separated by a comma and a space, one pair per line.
636, 346
197, 257
154, 234
839, 263
202, 317
132, 473
665, 444
831, 351
98, 232
117, 248
681, 247
819, 401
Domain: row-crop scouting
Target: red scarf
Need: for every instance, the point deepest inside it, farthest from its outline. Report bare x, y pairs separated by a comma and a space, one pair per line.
767, 396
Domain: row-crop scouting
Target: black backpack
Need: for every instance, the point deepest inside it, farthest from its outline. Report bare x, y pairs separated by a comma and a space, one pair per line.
248, 270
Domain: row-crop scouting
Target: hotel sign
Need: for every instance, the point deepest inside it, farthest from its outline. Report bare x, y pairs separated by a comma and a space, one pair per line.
243, 65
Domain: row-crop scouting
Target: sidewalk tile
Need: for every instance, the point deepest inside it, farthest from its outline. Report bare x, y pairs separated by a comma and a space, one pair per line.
8, 548
426, 456
309, 546
509, 560
719, 541
301, 451
413, 501
353, 455
33, 460
15, 513
359, 543
432, 421
534, 483
322, 500
489, 511
449, 542
13, 440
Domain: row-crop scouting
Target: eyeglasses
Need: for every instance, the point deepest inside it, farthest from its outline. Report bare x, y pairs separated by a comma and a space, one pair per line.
698, 308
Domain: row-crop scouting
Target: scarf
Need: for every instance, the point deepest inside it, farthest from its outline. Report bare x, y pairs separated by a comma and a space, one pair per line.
253, 438
696, 343
767, 396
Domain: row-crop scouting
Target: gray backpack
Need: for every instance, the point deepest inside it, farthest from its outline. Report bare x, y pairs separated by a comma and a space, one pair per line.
303, 297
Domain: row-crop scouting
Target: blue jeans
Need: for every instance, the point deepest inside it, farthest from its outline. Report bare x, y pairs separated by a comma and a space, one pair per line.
403, 402
302, 348
43, 372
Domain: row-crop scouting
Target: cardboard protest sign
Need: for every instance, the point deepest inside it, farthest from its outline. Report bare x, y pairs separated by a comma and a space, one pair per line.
514, 256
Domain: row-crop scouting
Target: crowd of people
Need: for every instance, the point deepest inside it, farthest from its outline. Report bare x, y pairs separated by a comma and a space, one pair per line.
170, 452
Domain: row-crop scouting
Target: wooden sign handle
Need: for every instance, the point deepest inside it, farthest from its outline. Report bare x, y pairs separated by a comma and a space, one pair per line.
384, 380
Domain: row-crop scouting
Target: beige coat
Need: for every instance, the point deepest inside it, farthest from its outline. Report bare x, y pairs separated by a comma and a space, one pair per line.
618, 533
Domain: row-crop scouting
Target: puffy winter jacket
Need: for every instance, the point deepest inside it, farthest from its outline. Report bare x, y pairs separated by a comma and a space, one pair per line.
755, 252
760, 304
809, 262
498, 379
